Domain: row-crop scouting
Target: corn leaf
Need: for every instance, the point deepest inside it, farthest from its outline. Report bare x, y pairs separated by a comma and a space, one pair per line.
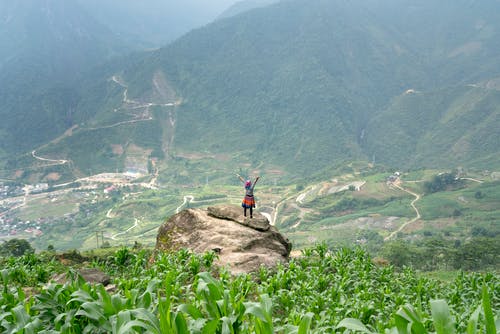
473, 320
488, 312
443, 320
354, 325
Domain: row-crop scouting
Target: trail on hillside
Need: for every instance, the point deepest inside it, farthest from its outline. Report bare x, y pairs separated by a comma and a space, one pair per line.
301, 197
136, 223
190, 199
53, 162
121, 123
130, 104
417, 217
471, 179
187, 199
161, 92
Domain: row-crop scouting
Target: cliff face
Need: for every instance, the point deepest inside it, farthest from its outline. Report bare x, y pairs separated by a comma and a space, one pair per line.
243, 244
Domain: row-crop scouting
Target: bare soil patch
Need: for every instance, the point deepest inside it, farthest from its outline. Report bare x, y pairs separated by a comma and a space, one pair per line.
117, 149
275, 172
195, 156
18, 173
53, 177
416, 226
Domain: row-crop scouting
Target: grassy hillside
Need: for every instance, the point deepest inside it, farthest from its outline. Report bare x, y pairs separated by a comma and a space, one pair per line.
335, 212
454, 126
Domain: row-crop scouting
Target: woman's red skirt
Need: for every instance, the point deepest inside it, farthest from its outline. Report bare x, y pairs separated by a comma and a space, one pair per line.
248, 202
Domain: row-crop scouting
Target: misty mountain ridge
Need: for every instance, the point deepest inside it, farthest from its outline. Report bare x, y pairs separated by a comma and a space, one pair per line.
53, 37
152, 23
245, 5
48, 45
303, 85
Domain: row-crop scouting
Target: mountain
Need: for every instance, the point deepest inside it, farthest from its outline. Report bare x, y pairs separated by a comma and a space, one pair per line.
243, 6
298, 83
153, 23
303, 86
52, 37
453, 126
46, 45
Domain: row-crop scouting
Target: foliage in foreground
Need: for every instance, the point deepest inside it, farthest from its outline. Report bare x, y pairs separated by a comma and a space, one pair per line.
321, 292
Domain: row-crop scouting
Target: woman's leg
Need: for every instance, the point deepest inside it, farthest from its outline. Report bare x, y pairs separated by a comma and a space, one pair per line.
245, 211
251, 212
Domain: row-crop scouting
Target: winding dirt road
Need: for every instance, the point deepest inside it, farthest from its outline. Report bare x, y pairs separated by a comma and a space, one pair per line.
136, 223
417, 217
55, 162
187, 199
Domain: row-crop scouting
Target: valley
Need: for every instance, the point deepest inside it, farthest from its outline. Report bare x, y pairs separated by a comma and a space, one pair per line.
373, 127
145, 136
366, 206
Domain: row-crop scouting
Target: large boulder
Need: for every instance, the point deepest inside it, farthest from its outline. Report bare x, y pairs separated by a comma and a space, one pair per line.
243, 244
90, 275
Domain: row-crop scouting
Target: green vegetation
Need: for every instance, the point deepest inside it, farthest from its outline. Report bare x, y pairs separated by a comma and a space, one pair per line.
312, 100
15, 247
435, 253
455, 217
441, 182
323, 291
46, 50
329, 209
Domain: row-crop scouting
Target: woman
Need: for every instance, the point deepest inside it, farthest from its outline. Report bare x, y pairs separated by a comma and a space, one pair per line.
248, 200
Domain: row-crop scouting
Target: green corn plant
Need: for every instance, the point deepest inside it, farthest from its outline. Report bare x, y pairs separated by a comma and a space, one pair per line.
167, 320
442, 318
4, 275
304, 326
354, 325
488, 312
215, 309
208, 259
194, 265
123, 256
473, 321
19, 321
262, 315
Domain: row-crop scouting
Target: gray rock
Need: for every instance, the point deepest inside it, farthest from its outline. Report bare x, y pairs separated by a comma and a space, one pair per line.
91, 275
234, 213
243, 245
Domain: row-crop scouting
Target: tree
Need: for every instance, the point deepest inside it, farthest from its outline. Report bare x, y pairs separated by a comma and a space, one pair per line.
479, 253
16, 247
442, 182
398, 252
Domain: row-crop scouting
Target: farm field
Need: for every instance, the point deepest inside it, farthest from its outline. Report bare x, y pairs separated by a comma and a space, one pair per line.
356, 205
321, 291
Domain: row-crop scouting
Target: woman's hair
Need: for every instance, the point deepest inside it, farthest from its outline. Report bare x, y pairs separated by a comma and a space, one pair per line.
248, 184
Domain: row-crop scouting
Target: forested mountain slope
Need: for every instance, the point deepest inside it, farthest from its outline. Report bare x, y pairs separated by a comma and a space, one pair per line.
301, 82
305, 85
46, 45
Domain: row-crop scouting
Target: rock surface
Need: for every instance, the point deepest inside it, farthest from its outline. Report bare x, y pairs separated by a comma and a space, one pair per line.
243, 244
90, 275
